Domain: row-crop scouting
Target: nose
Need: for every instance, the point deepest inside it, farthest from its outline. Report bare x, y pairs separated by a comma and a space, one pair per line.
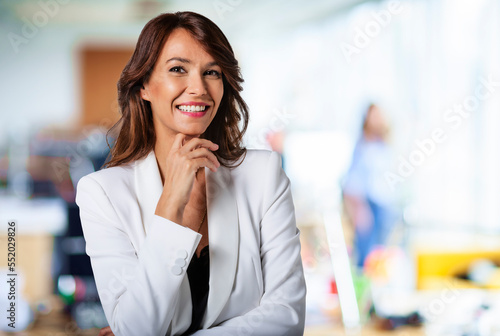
196, 85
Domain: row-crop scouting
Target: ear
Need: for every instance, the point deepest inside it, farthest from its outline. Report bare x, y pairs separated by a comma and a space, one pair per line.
145, 92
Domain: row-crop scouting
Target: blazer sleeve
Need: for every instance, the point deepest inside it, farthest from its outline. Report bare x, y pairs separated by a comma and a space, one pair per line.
282, 307
138, 291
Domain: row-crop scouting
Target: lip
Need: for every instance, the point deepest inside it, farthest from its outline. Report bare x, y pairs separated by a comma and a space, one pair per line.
193, 114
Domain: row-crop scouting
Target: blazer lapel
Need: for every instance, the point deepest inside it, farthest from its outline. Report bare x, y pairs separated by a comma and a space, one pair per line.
148, 186
223, 236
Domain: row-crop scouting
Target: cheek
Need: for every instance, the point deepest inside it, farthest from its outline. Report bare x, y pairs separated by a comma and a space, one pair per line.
166, 91
217, 92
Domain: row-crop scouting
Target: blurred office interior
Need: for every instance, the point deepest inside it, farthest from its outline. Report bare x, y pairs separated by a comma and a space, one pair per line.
311, 70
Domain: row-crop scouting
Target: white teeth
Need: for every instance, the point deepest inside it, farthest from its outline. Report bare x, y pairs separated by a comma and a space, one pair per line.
192, 108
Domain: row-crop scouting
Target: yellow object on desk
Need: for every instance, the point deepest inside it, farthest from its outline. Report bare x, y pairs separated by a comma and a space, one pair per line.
436, 269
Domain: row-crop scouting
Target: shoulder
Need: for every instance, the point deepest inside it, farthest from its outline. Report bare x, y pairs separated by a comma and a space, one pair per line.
107, 178
260, 180
258, 170
259, 157
257, 161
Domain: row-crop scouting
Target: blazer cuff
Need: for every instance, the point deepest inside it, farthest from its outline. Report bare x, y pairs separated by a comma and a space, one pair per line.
173, 245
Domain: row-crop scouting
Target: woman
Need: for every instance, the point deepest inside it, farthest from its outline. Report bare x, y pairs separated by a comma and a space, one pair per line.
188, 232
368, 199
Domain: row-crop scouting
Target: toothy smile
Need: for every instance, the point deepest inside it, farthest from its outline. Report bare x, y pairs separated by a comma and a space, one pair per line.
192, 108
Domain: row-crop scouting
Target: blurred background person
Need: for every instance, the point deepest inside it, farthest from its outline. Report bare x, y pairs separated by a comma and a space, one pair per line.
367, 197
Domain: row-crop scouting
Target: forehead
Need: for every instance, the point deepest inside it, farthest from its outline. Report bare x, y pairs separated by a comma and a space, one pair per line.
181, 44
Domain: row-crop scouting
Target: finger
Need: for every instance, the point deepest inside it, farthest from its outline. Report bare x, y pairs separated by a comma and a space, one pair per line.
203, 152
197, 143
205, 162
105, 332
178, 142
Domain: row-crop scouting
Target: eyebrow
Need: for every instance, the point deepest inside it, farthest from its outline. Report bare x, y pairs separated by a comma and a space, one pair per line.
180, 59
185, 60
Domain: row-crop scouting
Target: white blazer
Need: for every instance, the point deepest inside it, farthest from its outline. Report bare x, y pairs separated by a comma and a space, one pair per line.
140, 259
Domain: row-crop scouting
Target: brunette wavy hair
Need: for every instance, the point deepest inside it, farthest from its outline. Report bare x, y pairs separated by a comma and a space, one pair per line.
135, 130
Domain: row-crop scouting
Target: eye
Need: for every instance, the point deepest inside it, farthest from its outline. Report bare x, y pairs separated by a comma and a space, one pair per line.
212, 73
177, 69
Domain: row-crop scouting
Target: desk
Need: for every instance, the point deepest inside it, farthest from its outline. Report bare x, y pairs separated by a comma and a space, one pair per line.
57, 323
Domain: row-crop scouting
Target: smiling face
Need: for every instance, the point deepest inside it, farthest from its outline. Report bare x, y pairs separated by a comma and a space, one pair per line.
185, 88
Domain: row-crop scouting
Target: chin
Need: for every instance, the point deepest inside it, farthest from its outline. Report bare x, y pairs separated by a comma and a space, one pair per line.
195, 133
